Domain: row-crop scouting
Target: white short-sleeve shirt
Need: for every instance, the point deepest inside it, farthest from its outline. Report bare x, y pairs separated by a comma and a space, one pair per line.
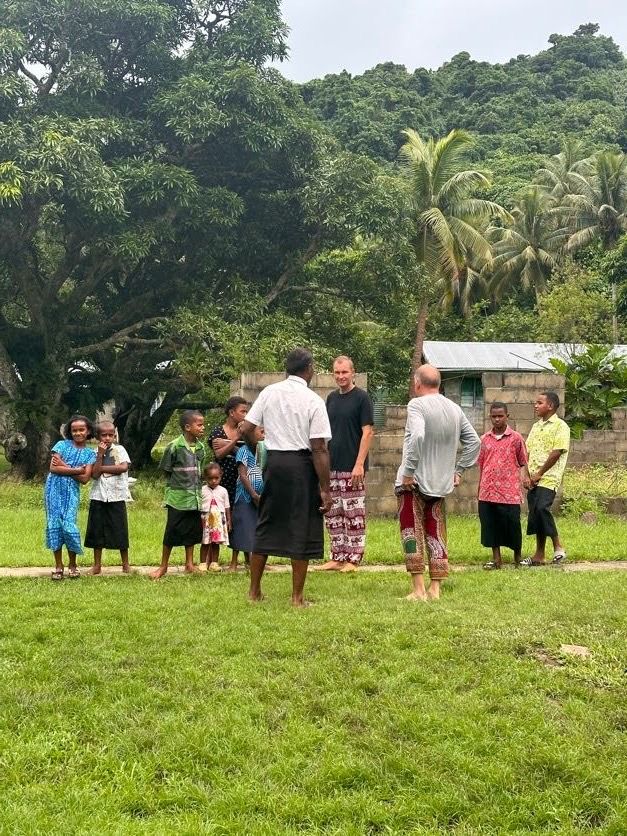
291, 415
110, 487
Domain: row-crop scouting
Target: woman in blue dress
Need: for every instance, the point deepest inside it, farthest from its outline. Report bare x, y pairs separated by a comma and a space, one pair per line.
70, 466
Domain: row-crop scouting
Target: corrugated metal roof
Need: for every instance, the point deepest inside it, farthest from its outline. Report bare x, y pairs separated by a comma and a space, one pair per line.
485, 357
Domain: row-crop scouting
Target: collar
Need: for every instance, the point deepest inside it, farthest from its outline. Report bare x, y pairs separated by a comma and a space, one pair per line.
297, 378
507, 431
550, 419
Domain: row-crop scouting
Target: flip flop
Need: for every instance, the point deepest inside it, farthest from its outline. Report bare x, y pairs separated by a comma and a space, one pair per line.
73, 574
57, 575
491, 565
527, 561
559, 558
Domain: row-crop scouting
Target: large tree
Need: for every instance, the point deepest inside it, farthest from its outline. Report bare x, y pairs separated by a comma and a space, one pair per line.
447, 218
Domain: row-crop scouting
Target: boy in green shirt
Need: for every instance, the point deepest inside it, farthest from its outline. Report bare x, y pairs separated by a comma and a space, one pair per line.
183, 461
547, 446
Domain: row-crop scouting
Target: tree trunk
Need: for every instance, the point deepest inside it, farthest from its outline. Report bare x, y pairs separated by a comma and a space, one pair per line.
28, 451
139, 431
421, 328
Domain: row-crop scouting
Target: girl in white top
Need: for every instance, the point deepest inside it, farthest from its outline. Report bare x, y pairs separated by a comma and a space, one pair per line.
216, 516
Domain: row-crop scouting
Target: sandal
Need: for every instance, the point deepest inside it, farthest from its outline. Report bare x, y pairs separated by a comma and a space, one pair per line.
527, 561
57, 575
559, 558
73, 573
491, 565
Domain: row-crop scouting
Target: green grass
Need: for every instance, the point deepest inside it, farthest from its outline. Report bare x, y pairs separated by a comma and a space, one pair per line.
128, 707
22, 531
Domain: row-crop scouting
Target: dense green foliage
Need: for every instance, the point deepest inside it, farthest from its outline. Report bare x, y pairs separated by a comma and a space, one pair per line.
173, 212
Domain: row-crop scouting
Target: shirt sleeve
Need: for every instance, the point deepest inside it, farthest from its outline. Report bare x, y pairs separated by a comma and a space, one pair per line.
205, 497
481, 458
414, 438
241, 457
91, 456
521, 453
58, 447
561, 440
319, 426
255, 413
225, 498
367, 411
166, 460
124, 457
470, 446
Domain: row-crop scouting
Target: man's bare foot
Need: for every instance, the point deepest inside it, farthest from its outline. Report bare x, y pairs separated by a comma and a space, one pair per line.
301, 603
331, 566
349, 567
158, 573
433, 593
255, 599
231, 568
191, 569
415, 596
126, 569
95, 570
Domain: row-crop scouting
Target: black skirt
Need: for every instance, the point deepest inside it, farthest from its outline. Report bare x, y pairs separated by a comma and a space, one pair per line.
540, 519
183, 528
107, 525
290, 521
500, 525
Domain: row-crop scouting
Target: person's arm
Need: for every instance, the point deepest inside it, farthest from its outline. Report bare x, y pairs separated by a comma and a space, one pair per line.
552, 459
412, 443
357, 476
243, 476
112, 469
471, 445
320, 456
229, 524
223, 447
85, 476
60, 468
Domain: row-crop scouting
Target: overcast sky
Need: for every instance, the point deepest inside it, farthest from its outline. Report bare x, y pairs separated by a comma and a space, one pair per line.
328, 36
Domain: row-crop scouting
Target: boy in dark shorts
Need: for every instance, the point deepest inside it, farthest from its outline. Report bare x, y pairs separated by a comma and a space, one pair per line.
183, 462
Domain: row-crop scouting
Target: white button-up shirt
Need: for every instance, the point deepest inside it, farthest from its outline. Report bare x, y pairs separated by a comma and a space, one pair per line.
291, 414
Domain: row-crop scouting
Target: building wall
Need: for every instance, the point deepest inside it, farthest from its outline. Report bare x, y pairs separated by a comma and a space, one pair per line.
251, 383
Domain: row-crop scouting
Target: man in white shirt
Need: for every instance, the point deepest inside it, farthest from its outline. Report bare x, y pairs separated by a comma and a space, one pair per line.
296, 477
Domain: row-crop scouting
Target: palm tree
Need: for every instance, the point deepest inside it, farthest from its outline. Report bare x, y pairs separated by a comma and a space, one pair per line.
526, 253
598, 211
562, 172
446, 217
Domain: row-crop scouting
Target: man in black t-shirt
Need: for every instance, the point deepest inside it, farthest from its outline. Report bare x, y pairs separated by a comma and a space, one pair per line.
352, 427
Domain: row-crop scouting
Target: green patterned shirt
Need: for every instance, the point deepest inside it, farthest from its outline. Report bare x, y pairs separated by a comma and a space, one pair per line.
183, 465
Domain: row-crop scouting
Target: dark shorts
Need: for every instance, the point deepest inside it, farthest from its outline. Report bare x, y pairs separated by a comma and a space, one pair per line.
540, 519
183, 528
107, 526
290, 521
500, 525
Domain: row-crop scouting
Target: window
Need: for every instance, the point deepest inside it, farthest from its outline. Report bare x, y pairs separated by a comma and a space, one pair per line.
472, 392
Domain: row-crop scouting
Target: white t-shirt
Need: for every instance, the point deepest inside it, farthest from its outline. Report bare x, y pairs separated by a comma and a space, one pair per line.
219, 493
110, 487
291, 414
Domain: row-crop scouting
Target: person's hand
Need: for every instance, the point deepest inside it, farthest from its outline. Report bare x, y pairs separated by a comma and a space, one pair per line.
102, 449
535, 478
256, 498
457, 478
357, 477
57, 461
325, 501
407, 483
526, 483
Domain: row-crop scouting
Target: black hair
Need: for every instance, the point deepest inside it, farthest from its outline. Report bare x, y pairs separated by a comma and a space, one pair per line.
187, 416
298, 361
233, 403
499, 405
213, 466
66, 430
104, 423
553, 398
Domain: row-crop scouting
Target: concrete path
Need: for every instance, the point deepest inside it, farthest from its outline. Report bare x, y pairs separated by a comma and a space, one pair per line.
109, 571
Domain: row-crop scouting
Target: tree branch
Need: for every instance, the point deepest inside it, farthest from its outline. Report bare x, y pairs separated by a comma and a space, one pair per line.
8, 376
286, 276
36, 81
122, 336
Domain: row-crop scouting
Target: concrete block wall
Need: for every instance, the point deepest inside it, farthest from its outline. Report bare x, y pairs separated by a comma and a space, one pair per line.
602, 446
250, 384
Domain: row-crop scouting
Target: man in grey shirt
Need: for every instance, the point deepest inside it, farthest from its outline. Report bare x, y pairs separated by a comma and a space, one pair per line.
429, 471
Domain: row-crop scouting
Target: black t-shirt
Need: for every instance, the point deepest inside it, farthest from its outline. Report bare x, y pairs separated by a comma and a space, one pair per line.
347, 415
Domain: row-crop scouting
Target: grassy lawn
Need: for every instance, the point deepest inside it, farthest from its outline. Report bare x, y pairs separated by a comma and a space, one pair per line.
133, 707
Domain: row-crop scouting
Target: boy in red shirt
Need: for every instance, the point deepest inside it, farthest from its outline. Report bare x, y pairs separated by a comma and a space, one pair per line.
501, 457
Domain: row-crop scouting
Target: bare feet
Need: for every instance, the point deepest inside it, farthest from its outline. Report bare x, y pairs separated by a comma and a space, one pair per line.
349, 567
433, 593
126, 569
301, 603
255, 598
95, 570
191, 569
231, 568
415, 596
158, 573
331, 566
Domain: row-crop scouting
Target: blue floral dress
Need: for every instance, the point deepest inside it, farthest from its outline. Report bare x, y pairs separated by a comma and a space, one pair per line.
62, 496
